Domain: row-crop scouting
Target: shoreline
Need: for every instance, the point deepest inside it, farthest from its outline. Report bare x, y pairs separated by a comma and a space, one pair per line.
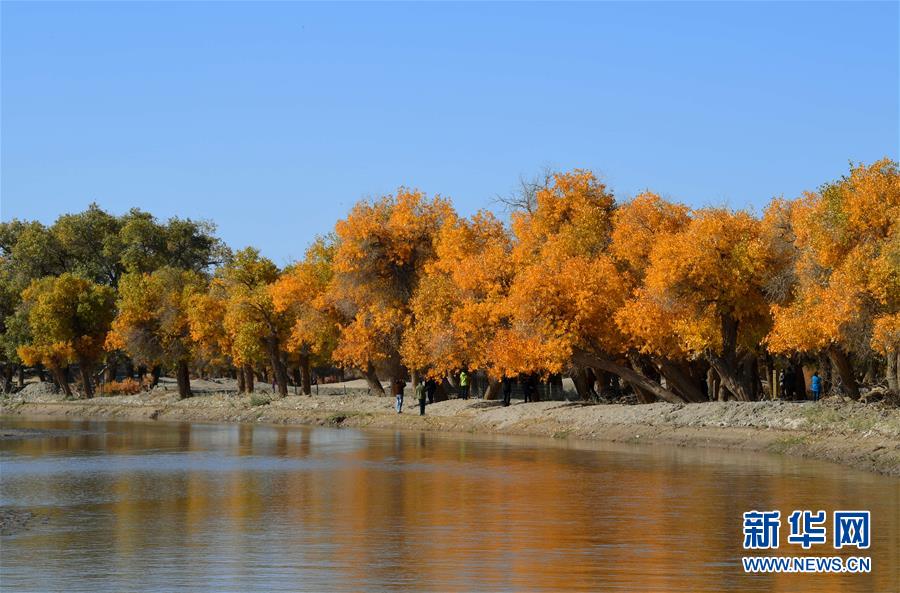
864, 436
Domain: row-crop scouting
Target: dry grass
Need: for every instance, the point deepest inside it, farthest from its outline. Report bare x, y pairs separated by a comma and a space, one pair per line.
124, 387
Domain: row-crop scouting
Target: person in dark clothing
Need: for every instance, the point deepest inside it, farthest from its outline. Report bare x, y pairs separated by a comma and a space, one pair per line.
397, 387
430, 390
533, 387
420, 394
528, 388
787, 383
507, 390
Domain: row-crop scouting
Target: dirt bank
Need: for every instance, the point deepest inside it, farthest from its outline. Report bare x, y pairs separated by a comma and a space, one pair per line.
865, 436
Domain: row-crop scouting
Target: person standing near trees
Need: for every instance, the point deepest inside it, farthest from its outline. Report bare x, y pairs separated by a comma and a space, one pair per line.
430, 390
464, 384
788, 381
816, 385
421, 390
528, 388
397, 385
507, 390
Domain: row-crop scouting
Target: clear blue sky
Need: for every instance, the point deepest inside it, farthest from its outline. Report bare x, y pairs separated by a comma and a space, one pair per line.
273, 119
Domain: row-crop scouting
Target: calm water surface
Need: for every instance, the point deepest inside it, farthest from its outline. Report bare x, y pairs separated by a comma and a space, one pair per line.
177, 507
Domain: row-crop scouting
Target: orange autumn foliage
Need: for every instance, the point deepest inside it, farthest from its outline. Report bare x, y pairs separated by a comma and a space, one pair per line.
457, 306
300, 292
566, 287
382, 250
847, 265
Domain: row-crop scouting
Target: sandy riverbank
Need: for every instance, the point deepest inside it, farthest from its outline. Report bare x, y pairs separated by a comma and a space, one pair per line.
864, 436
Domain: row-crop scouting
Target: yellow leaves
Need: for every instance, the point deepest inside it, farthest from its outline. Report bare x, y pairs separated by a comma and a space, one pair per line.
404, 281
68, 318
565, 288
237, 315
871, 198
715, 267
206, 314
638, 224
52, 355
300, 294
886, 334
372, 336
513, 351
847, 263
153, 321
382, 250
457, 306
573, 216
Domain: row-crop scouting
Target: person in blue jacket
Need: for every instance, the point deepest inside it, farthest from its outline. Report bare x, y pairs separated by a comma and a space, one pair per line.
816, 386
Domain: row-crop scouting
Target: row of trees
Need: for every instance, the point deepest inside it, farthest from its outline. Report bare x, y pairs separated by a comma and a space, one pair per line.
681, 305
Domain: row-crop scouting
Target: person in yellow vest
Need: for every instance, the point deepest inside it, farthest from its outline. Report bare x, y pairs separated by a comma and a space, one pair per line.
464, 384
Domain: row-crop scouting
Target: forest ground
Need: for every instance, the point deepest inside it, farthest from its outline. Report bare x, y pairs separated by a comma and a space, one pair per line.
864, 436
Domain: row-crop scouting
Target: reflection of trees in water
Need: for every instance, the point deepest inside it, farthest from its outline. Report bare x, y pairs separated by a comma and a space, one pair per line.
437, 511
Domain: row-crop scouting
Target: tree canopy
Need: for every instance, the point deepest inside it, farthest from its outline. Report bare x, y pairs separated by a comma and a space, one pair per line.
680, 304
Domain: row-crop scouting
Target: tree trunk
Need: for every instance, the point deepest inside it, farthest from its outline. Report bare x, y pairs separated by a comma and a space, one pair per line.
279, 372
845, 371
248, 378
897, 369
602, 382
682, 382
21, 377
129, 368
239, 375
893, 371
109, 373
582, 385
372, 380
155, 373
749, 367
183, 375
643, 396
305, 378
7, 378
59, 375
630, 375
296, 379
712, 384
729, 377
492, 390
86, 384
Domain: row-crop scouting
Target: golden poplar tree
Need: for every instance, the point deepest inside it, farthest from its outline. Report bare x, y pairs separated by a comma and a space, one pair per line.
458, 305
382, 250
300, 293
152, 324
846, 291
68, 318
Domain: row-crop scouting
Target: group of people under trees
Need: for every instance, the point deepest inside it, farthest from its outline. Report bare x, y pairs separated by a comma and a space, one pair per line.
427, 389
665, 302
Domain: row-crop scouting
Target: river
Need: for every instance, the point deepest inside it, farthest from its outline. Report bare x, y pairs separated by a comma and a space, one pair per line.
155, 507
